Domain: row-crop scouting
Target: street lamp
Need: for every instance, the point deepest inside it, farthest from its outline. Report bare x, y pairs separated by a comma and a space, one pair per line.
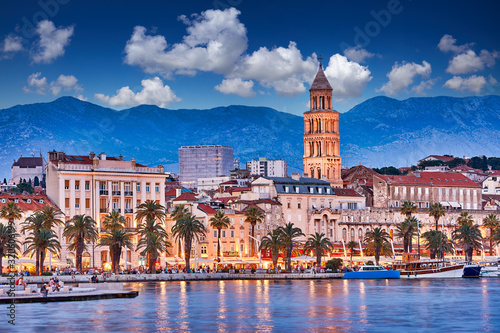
258, 246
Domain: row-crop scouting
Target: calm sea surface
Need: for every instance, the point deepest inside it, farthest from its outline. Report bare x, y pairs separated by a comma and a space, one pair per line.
459, 305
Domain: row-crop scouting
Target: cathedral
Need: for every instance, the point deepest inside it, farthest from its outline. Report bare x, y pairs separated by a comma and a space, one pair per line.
321, 134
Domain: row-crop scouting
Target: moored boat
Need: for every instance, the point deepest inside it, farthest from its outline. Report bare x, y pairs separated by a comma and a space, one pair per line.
489, 269
472, 271
372, 272
413, 268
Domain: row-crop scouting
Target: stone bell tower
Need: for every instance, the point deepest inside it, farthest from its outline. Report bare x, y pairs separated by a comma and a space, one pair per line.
321, 134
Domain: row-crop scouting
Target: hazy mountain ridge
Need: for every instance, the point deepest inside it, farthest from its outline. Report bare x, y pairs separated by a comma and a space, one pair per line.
380, 131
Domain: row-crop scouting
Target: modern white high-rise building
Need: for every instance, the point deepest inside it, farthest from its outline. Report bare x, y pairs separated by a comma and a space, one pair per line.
203, 162
267, 168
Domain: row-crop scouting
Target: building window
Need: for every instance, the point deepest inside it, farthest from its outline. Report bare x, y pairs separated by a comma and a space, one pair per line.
77, 203
313, 205
87, 203
298, 205
396, 204
344, 234
223, 233
102, 185
242, 233
232, 233
66, 184
138, 187
157, 189
286, 189
215, 233
322, 204
203, 249
87, 186
147, 188
289, 204
352, 205
77, 185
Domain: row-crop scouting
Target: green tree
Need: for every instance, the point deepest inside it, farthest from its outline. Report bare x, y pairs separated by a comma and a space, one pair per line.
405, 230
40, 242
11, 212
334, 264
187, 229
493, 224
5, 180
437, 211
116, 239
387, 171
113, 221
455, 162
319, 244
478, 163
351, 245
253, 215
219, 221
23, 187
7, 233
408, 208
36, 181
377, 239
153, 241
289, 233
179, 212
150, 209
79, 230
437, 243
465, 218
272, 242
469, 237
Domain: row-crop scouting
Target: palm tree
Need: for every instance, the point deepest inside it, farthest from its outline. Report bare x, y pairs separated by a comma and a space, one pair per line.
179, 212
153, 238
253, 215
405, 231
7, 233
114, 220
34, 224
407, 208
378, 240
52, 217
41, 241
437, 211
465, 218
491, 222
11, 212
219, 221
117, 239
437, 243
469, 237
187, 229
319, 243
272, 242
80, 229
288, 234
351, 245
150, 209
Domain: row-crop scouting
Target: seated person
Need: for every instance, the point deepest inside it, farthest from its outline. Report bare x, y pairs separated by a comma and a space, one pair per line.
20, 282
43, 290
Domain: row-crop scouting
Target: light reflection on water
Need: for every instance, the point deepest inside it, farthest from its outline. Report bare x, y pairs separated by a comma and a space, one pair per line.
269, 306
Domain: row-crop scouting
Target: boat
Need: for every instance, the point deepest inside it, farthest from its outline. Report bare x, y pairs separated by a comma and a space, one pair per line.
372, 272
489, 268
412, 267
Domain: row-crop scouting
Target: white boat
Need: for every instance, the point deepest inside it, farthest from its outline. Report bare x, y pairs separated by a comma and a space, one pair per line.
372, 272
489, 269
413, 268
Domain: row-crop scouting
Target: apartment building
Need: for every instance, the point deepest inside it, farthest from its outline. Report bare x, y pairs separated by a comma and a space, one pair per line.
267, 168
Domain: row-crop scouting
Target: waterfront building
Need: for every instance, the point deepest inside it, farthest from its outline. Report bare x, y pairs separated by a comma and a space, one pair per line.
267, 168
491, 184
28, 167
211, 183
452, 190
203, 161
95, 185
321, 134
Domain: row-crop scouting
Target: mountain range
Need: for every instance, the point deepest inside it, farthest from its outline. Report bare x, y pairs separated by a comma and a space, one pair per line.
378, 132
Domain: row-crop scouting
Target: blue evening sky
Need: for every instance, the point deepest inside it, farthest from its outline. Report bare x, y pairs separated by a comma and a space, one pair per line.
203, 54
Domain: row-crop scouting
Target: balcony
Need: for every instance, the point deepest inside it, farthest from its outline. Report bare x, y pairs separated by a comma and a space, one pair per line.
129, 210
103, 192
117, 210
103, 210
128, 193
116, 193
130, 229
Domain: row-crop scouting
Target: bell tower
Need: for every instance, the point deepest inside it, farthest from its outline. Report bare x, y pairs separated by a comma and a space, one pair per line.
321, 134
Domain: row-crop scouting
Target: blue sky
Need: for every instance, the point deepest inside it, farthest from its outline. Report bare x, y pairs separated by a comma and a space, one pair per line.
203, 54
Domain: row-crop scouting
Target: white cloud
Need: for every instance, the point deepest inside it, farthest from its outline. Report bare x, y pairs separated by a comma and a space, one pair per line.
38, 83
65, 82
52, 41
402, 76
357, 54
424, 85
214, 42
153, 92
283, 69
492, 80
347, 78
41, 85
448, 43
465, 63
473, 83
12, 44
236, 86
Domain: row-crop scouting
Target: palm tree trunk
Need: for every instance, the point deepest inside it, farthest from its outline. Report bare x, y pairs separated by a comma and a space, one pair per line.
410, 243
437, 220
351, 258
37, 262
491, 241
289, 258
1, 257
253, 240
152, 268
275, 262
79, 253
218, 243
318, 258
187, 253
42, 259
377, 254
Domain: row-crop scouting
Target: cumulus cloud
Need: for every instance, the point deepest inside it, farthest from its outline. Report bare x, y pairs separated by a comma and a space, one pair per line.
473, 83
40, 85
12, 44
469, 62
215, 40
153, 92
357, 54
52, 41
347, 78
424, 85
492, 80
448, 43
282, 68
402, 76
236, 86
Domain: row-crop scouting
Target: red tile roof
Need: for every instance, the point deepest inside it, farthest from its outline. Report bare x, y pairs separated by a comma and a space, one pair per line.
443, 158
186, 196
28, 162
230, 182
238, 189
432, 178
23, 201
207, 209
345, 192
